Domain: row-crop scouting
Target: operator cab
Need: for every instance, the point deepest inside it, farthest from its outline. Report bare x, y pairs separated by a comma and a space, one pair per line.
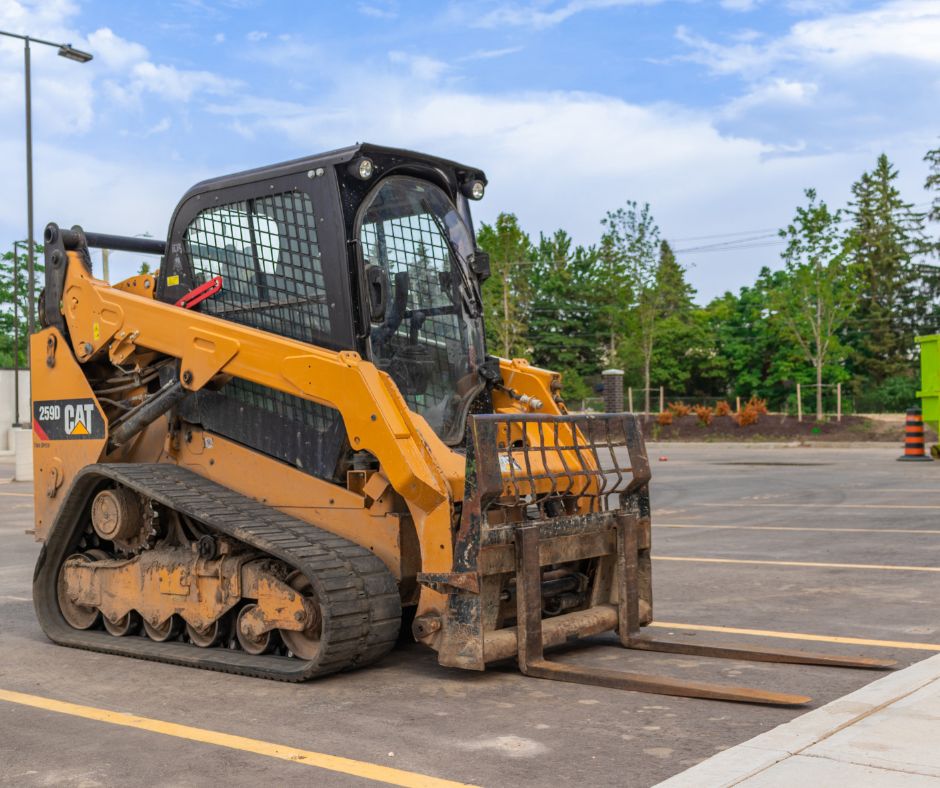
366, 248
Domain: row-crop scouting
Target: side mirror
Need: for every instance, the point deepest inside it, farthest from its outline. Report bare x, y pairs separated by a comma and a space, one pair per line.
377, 287
480, 264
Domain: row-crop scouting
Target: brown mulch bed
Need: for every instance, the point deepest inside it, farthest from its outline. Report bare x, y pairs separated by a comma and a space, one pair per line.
778, 428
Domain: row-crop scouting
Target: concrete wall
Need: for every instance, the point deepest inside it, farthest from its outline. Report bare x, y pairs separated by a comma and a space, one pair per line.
7, 400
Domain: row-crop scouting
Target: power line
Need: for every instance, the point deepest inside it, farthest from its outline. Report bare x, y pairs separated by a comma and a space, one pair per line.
723, 235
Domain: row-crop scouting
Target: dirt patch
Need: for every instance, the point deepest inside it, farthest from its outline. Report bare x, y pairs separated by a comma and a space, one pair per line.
782, 429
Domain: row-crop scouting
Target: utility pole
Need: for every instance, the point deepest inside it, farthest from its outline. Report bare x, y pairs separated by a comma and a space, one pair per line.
506, 312
105, 259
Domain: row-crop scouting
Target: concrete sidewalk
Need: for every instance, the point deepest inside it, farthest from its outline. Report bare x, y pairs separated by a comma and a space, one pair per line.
885, 734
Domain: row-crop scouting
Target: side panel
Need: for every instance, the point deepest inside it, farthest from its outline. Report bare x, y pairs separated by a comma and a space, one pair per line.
69, 428
367, 519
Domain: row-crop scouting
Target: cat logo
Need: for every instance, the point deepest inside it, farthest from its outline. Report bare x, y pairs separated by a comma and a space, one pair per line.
67, 419
77, 417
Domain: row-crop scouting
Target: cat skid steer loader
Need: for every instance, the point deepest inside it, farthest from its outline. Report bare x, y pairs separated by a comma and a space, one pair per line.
255, 459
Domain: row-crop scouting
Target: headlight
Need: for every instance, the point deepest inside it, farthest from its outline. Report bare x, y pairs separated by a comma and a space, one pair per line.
476, 190
361, 168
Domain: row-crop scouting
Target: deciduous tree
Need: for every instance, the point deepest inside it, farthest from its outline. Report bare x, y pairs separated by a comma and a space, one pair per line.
818, 295
632, 242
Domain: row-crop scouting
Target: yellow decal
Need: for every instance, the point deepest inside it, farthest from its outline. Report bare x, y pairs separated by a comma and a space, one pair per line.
172, 280
96, 330
79, 429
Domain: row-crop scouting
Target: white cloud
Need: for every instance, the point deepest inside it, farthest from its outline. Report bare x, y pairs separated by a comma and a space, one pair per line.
47, 16
773, 92
173, 84
286, 52
256, 35
740, 5
114, 52
161, 126
901, 29
490, 54
388, 11
110, 199
540, 15
219, 38
816, 6
421, 66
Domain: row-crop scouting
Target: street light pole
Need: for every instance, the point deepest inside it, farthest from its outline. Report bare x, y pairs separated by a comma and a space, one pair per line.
71, 53
30, 265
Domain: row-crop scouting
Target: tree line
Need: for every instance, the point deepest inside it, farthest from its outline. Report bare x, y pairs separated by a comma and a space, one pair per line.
855, 285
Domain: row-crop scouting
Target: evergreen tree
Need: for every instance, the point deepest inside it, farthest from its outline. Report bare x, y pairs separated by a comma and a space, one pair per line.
675, 294
887, 235
932, 184
508, 291
678, 339
563, 322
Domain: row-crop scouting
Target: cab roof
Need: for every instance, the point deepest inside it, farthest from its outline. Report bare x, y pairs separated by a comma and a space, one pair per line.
454, 172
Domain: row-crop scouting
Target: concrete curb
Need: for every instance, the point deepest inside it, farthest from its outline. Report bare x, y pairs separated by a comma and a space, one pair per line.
785, 741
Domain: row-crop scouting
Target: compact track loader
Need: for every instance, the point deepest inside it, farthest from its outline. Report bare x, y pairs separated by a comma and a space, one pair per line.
255, 459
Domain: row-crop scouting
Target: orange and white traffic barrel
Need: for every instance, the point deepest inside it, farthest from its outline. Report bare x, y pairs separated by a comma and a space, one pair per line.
914, 438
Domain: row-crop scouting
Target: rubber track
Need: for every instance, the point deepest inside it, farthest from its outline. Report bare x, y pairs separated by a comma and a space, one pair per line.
358, 595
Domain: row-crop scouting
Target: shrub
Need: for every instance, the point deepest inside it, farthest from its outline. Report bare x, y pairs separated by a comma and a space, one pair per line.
759, 405
664, 419
893, 395
722, 409
704, 414
747, 415
679, 409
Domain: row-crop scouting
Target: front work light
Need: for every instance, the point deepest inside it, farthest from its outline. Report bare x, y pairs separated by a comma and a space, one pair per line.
476, 190
364, 169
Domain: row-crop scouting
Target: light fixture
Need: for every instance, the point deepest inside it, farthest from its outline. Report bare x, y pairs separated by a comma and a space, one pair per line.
363, 168
475, 192
70, 52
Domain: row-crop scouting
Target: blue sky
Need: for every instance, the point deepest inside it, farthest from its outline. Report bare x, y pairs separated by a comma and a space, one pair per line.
717, 112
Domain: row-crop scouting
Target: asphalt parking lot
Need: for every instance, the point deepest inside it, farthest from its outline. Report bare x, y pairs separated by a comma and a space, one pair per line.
821, 544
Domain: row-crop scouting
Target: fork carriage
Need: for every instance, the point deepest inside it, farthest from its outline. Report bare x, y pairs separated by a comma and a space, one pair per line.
554, 545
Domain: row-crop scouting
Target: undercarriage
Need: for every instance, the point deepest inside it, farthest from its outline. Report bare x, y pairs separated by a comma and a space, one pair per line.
222, 582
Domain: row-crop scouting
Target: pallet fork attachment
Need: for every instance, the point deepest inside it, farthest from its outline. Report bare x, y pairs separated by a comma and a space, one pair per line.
532, 661
518, 474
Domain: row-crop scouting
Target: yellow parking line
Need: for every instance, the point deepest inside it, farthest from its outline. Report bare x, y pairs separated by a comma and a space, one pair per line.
899, 490
795, 563
333, 763
769, 633
797, 528
759, 505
